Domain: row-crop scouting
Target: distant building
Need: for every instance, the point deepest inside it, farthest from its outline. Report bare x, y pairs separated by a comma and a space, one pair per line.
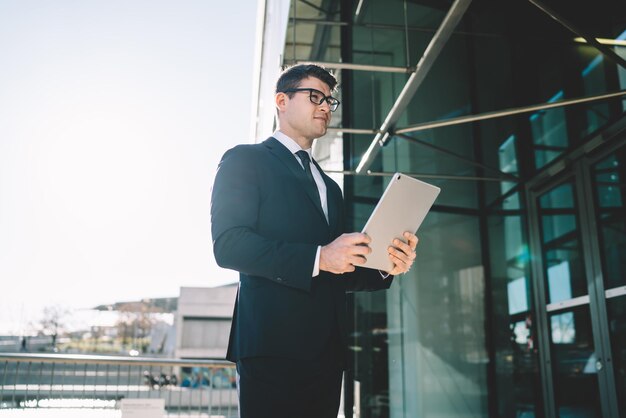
203, 321
162, 339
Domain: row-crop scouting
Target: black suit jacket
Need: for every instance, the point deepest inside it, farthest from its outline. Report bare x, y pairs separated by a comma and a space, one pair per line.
266, 224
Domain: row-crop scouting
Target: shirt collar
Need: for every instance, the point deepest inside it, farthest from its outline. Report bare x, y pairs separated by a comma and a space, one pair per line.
290, 143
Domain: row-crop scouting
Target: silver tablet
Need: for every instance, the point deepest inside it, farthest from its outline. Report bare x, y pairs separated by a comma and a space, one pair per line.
402, 207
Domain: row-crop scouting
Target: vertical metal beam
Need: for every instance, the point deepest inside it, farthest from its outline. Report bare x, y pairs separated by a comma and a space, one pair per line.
541, 323
608, 52
431, 53
597, 306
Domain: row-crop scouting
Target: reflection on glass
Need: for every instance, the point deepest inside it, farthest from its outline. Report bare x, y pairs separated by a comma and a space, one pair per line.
559, 278
369, 341
436, 320
562, 253
574, 371
563, 328
549, 132
507, 159
517, 376
609, 181
518, 298
521, 332
593, 76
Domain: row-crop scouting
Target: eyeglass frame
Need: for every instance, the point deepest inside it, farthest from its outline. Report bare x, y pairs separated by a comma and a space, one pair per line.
310, 90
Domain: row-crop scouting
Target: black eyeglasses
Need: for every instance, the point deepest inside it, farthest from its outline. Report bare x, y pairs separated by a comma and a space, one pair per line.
317, 97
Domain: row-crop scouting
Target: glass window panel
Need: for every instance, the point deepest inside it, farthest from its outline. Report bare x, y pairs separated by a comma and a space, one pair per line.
559, 281
375, 46
371, 187
389, 12
507, 157
574, 371
450, 72
593, 76
437, 353
500, 145
518, 297
361, 213
516, 357
369, 345
308, 40
549, 133
411, 157
562, 253
563, 328
421, 16
609, 183
376, 93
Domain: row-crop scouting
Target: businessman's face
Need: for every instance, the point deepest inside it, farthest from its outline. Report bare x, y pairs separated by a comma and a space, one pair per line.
301, 116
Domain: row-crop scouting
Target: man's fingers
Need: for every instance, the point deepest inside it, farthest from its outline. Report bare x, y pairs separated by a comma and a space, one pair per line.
403, 254
398, 261
411, 239
403, 249
358, 238
399, 265
406, 259
360, 250
397, 253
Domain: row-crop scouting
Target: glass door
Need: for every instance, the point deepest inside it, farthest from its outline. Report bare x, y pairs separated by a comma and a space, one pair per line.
607, 181
578, 242
567, 310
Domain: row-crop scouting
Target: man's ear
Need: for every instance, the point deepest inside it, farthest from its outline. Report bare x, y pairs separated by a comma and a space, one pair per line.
281, 99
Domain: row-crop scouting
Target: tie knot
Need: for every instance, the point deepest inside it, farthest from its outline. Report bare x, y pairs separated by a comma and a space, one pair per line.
304, 157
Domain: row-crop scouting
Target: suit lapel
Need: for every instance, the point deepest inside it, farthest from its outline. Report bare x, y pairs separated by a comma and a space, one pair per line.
284, 155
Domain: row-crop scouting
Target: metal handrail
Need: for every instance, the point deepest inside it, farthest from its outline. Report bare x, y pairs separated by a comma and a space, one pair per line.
70, 381
116, 360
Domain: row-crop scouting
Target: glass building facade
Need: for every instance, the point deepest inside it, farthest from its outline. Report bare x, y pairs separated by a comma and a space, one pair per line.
516, 306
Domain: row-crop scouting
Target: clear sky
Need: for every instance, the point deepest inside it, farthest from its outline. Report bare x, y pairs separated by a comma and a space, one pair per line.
113, 117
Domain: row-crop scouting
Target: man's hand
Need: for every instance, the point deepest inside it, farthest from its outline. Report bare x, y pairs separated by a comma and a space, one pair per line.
402, 254
341, 255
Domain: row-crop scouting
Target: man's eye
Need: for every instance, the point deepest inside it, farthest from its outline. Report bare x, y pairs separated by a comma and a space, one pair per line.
315, 96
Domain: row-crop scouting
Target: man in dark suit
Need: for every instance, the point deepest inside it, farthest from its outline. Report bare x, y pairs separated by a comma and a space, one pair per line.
278, 220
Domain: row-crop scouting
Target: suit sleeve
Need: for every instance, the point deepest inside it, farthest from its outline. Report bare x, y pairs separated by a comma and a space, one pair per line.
365, 280
237, 245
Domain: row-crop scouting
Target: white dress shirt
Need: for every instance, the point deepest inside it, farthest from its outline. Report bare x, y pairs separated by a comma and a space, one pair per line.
293, 147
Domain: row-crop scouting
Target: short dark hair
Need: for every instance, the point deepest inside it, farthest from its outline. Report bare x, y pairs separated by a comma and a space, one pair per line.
291, 77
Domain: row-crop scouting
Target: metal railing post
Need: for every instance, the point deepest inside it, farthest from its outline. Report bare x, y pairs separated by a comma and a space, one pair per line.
51, 383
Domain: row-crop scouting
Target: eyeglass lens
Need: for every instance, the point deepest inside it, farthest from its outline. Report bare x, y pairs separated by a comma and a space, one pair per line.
318, 98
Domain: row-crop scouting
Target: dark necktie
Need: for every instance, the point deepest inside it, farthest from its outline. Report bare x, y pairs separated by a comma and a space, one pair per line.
306, 162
